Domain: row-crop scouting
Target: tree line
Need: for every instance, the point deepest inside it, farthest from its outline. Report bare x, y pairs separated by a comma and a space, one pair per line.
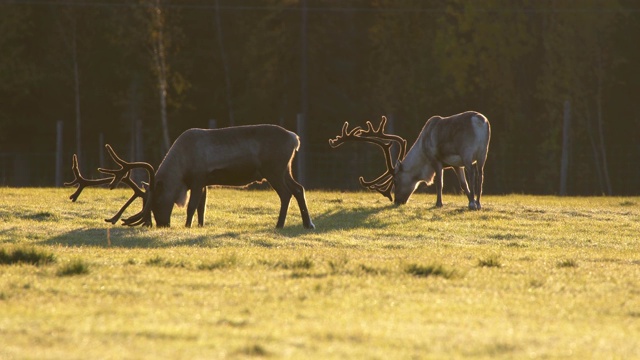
138, 73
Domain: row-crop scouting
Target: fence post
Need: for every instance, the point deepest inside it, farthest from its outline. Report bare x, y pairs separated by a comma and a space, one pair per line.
301, 158
101, 150
566, 139
390, 129
59, 177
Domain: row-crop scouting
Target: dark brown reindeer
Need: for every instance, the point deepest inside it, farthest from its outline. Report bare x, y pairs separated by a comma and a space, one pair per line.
460, 142
234, 156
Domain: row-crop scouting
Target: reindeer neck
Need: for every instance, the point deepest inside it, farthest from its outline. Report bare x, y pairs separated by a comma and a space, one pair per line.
416, 162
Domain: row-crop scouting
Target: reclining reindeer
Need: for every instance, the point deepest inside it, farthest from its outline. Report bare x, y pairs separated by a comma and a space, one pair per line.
234, 156
460, 142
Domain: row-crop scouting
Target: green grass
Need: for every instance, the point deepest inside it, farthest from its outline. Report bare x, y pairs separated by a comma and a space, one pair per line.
74, 267
490, 261
26, 255
430, 270
527, 276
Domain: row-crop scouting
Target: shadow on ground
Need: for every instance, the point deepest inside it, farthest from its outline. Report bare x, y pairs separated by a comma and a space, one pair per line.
340, 219
124, 237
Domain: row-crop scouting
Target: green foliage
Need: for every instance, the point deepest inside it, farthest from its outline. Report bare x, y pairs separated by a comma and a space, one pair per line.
517, 61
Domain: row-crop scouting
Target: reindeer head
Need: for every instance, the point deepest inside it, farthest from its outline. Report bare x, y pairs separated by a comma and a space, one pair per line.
120, 175
384, 183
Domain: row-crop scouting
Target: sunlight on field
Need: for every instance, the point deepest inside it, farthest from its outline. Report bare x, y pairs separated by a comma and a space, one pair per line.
526, 276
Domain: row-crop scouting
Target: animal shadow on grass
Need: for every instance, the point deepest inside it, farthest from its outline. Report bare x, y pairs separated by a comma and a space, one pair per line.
340, 219
124, 237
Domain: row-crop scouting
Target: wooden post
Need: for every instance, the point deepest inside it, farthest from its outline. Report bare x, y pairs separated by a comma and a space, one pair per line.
225, 64
59, 176
566, 140
304, 92
304, 76
390, 129
136, 148
139, 150
101, 150
302, 153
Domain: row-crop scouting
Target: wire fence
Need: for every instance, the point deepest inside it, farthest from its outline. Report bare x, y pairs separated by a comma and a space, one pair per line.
28, 169
334, 169
330, 169
326, 170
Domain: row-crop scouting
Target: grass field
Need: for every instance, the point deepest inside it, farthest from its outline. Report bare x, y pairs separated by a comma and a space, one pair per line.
526, 277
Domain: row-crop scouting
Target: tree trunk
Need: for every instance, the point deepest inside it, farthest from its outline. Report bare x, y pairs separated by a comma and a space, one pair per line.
76, 80
59, 154
70, 39
603, 150
566, 139
225, 65
160, 59
304, 103
596, 152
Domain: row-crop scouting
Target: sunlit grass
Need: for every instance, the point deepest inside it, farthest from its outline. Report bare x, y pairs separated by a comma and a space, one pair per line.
74, 267
527, 276
26, 255
431, 270
490, 261
567, 263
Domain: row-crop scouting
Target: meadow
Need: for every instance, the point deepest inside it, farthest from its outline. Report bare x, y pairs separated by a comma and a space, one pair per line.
525, 277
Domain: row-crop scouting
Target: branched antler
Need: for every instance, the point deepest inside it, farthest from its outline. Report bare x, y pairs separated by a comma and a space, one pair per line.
383, 183
81, 181
117, 176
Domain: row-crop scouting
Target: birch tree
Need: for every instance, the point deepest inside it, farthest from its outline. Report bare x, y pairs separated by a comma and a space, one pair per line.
67, 23
578, 64
158, 41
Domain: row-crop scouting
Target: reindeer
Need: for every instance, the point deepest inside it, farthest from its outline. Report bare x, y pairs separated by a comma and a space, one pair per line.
460, 142
234, 156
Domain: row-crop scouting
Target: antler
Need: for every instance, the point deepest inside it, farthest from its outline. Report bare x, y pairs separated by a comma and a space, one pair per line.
119, 175
383, 183
81, 181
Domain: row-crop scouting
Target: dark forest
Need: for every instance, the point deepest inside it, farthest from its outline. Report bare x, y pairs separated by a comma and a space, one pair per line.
136, 74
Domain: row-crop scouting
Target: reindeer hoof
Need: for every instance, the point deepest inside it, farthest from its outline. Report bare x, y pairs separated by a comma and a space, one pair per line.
310, 226
472, 205
478, 207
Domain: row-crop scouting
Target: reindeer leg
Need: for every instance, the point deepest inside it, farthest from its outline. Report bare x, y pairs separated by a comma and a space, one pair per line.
194, 202
438, 182
202, 207
462, 180
479, 181
285, 199
298, 193
471, 172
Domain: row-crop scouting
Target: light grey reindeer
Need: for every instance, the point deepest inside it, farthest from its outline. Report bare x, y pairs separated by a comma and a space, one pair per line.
460, 142
234, 156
